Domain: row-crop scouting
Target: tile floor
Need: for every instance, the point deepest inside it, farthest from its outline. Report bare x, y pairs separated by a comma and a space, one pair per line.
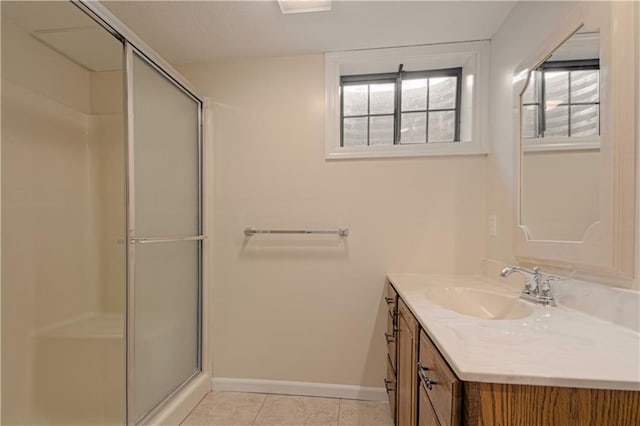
244, 409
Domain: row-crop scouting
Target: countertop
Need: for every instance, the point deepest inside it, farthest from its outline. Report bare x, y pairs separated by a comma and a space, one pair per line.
554, 346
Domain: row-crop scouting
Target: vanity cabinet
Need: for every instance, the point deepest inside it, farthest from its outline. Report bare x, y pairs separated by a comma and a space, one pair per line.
391, 336
424, 390
508, 404
414, 366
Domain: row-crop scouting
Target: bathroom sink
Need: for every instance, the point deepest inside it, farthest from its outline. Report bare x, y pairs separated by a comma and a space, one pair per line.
479, 303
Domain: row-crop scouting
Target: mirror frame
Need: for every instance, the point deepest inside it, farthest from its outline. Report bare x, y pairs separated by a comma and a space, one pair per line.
608, 245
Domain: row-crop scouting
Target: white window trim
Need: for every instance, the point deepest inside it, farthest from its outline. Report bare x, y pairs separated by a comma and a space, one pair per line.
472, 56
573, 143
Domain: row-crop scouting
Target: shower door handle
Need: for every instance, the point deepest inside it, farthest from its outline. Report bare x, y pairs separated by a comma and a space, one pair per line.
166, 239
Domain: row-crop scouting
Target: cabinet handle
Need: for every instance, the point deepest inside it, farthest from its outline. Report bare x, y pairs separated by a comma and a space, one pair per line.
389, 300
388, 337
422, 372
387, 387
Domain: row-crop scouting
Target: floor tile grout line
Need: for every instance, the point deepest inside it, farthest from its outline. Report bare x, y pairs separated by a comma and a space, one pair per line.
214, 395
195, 409
260, 409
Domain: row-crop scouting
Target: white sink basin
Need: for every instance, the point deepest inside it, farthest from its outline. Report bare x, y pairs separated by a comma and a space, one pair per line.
485, 304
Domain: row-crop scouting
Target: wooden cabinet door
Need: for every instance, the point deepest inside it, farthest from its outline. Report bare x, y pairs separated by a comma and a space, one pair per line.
426, 414
445, 391
407, 380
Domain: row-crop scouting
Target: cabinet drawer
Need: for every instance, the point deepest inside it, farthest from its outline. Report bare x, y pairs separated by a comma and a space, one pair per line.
390, 385
405, 312
391, 298
391, 337
426, 415
444, 390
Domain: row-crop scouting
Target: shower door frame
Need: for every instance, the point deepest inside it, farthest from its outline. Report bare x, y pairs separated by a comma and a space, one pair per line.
180, 402
133, 238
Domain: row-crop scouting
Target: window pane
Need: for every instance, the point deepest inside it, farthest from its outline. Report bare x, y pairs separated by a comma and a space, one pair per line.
381, 130
442, 126
530, 121
355, 100
354, 131
382, 98
584, 86
442, 92
413, 128
557, 121
414, 95
530, 96
584, 120
556, 86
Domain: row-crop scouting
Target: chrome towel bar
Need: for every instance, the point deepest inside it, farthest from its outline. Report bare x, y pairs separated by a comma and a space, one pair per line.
343, 232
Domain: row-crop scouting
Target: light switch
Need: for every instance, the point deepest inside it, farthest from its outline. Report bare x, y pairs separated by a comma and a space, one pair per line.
493, 225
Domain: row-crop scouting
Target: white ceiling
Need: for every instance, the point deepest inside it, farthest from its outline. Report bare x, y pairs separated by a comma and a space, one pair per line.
204, 31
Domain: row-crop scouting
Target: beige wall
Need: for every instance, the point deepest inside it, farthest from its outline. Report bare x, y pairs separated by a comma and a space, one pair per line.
309, 308
521, 34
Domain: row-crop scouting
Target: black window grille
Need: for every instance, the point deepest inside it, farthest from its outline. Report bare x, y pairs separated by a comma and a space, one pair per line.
400, 108
563, 100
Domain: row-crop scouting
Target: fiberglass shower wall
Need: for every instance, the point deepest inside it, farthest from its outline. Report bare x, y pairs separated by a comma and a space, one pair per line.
63, 218
75, 244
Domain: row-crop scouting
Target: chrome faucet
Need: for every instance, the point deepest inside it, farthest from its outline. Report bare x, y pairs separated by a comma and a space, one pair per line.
536, 289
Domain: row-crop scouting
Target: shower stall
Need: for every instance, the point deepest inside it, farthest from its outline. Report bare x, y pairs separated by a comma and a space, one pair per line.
103, 240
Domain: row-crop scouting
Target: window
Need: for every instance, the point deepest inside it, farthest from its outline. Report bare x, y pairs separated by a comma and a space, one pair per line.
429, 107
569, 92
408, 101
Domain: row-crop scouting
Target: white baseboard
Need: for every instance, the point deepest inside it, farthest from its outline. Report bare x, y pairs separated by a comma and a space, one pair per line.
299, 388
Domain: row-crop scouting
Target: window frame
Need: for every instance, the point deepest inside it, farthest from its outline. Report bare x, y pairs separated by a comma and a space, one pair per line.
473, 57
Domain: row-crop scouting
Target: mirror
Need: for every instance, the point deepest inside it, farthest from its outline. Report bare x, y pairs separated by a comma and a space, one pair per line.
575, 130
560, 142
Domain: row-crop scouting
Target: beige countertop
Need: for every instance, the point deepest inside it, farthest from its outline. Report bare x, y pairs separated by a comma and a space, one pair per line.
553, 346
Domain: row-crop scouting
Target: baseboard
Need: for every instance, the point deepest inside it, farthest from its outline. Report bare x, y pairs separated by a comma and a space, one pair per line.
299, 388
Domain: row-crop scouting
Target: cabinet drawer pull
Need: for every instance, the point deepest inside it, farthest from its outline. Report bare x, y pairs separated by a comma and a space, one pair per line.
422, 372
388, 337
387, 387
389, 300
394, 318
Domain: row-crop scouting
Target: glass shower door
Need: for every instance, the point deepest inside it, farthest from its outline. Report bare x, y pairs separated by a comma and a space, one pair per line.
165, 237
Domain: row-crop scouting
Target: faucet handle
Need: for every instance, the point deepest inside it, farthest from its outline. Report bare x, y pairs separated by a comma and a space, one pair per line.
528, 285
547, 283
